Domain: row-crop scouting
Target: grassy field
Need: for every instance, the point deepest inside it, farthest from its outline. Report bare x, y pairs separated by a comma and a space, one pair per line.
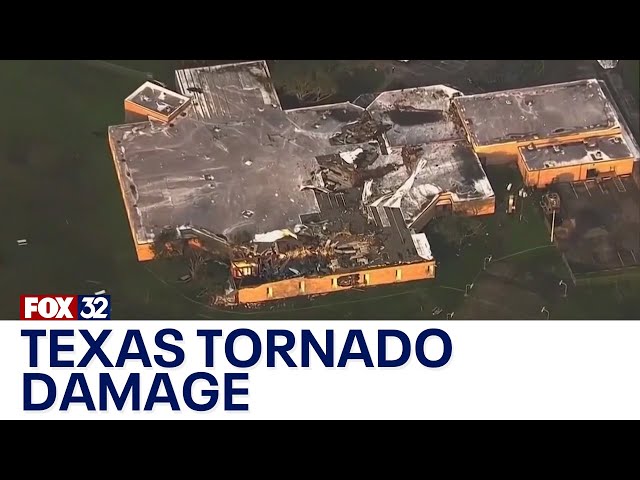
59, 191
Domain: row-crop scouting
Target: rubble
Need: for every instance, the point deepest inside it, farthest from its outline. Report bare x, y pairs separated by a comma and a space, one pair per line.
318, 248
274, 236
361, 131
302, 193
608, 64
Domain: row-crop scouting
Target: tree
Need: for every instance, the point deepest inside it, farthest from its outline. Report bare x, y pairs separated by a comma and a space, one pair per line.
309, 82
457, 230
167, 244
195, 261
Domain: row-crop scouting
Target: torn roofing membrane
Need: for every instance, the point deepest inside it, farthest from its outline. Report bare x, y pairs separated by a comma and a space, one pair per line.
236, 164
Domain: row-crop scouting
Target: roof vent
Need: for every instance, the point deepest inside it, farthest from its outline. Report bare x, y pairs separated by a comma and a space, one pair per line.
557, 149
591, 143
531, 147
597, 155
616, 140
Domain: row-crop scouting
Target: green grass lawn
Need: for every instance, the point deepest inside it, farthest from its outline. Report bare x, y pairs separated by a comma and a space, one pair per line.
58, 189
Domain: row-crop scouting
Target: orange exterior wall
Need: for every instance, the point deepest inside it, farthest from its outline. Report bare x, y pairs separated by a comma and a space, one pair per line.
144, 251
319, 285
467, 208
573, 173
132, 107
474, 208
505, 152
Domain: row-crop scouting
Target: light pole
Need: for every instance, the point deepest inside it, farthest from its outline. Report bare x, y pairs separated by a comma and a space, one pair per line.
566, 287
522, 193
544, 310
486, 261
467, 289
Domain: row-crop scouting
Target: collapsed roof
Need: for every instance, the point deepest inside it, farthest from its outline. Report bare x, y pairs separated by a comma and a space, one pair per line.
236, 164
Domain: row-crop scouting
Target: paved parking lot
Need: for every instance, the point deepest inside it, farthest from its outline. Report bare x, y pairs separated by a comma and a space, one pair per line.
598, 228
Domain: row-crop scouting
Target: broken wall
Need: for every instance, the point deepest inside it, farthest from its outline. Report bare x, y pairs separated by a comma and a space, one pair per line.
573, 173
467, 208
295, 287
507, 152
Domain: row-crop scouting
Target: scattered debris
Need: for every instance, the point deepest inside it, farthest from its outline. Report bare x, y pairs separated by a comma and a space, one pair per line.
410, 157
248, 213
350, 157
100, 292
361, 131
157, 82
22, 242
274, 236
608, 64
202, 292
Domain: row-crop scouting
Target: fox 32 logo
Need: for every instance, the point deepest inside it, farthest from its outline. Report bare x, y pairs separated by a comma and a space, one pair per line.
65, 307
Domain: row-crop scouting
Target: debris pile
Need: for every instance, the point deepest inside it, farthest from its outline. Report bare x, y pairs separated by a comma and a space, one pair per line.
315, 251
345, 171
608, 64
410, 156
364, 130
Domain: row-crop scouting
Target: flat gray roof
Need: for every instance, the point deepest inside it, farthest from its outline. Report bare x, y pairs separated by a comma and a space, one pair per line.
417, 115
539, 112
324, 119
238, 165
229, 92
227, 178
420, 173
157, 98
600, 149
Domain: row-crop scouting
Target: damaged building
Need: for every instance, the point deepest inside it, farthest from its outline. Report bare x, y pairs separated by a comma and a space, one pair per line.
572, 140
306, 201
